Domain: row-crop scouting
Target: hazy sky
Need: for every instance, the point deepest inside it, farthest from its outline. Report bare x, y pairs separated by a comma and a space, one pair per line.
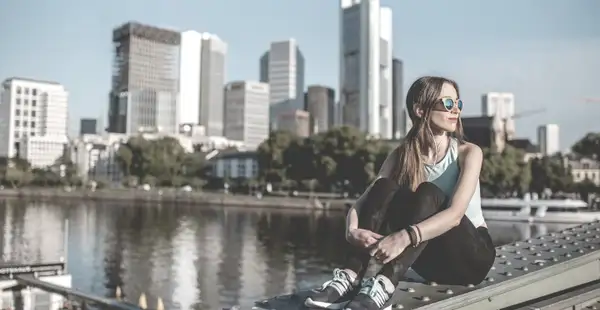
547, 52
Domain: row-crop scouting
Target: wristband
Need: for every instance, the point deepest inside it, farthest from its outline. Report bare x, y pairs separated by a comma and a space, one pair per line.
412, 235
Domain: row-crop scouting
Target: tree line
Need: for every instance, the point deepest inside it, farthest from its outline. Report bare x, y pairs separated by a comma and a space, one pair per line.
341, 159
344, 159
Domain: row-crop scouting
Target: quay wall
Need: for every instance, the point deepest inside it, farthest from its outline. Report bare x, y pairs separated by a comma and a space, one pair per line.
176, 197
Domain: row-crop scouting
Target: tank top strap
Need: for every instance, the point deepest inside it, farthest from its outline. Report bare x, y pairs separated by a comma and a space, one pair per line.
453, 148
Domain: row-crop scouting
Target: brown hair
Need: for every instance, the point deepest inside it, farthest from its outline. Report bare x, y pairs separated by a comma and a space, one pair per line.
423, 93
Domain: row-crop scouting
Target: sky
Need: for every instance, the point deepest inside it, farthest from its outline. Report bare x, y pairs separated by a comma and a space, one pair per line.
546, 52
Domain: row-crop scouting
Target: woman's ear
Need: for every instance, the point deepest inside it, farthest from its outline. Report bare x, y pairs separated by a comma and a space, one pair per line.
418, 111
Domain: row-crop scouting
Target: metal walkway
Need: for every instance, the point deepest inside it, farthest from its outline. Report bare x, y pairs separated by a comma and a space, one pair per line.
554, 271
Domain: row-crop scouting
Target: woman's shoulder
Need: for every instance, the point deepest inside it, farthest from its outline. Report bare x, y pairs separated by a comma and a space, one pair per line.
468, 150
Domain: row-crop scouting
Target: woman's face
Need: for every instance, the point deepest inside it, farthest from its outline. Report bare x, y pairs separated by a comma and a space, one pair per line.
446, 111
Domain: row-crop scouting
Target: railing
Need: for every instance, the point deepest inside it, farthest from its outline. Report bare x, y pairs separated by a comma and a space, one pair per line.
80, 300
555, 271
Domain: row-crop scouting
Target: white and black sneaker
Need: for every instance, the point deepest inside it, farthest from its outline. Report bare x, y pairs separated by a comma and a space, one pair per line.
335, 293
373, 295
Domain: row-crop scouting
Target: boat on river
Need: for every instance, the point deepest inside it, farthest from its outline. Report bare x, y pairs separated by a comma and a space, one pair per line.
14, 295
538, 210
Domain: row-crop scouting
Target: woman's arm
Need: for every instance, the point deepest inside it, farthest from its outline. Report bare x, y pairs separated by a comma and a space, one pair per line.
386, 170
470, 159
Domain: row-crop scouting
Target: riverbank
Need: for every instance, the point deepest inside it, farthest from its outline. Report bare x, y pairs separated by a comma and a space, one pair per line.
173, 196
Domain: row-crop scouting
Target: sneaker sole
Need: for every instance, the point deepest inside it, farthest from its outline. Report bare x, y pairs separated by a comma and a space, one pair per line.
325, 305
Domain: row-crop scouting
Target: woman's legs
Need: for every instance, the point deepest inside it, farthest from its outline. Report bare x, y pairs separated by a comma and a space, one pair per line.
463, 255
336, 293
387, 209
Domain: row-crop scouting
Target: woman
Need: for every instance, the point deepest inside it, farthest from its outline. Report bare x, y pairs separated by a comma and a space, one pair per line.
423, 211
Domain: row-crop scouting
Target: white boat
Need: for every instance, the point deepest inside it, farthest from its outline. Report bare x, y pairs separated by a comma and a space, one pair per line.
14, 295
538, 210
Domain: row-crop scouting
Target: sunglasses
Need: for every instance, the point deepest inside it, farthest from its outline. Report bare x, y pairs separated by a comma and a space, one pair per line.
449, 103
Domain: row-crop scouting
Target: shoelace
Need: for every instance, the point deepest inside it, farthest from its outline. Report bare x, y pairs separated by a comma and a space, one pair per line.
340, 282
375, 288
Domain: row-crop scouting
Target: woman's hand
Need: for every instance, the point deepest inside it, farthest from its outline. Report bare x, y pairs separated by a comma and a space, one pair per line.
391, 246
362, 237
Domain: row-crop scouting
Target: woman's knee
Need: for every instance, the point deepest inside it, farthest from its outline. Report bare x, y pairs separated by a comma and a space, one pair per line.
429, 198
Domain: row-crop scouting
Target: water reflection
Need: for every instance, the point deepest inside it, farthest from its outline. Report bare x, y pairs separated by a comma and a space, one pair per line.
192, 257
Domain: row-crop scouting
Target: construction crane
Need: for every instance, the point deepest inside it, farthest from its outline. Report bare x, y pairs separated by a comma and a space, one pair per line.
509, 123
591, 100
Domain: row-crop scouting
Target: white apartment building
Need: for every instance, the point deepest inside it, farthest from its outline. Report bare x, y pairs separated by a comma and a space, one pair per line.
548, 139
33, 120
366, 67
282, 67
247, 112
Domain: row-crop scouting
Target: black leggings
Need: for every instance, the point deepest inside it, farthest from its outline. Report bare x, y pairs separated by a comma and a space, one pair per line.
461, 256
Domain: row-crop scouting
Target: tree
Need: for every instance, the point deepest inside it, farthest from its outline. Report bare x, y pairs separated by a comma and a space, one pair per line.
504, 172
270, 156
158, 161
588, 146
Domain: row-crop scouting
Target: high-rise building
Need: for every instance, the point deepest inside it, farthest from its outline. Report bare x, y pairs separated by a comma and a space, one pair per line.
503, 106
88, 126
320, 104
247, 112
548, 139
163, 78
145, 81
212, 81
189, 77
400, 118
33, 120
283, 68
366, 66
295, 121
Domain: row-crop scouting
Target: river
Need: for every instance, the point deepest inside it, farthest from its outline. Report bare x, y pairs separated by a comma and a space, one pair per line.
191, 257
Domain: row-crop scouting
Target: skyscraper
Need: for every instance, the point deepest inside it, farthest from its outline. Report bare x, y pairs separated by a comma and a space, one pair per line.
212, 81
145, 81
400, 119
189, 77
548, 139
247, 112
163, 78
283, 68
320, 104
366, 66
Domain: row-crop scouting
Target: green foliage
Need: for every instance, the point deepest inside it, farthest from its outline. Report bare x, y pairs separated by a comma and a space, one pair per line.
161, 162
588, 146
342, 156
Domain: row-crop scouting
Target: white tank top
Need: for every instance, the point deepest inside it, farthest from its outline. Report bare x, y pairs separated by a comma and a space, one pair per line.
445, 175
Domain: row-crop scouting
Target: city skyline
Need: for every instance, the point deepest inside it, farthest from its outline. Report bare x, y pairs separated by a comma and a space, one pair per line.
528, 56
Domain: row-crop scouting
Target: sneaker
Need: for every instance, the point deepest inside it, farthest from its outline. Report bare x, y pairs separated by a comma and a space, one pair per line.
373, 295
335, 293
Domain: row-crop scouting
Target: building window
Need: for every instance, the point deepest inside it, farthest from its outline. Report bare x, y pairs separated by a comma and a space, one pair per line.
34, 102
32, 124
25, 113
18, 101
26, 102
34, 92
17, 123
26, 91
33, 112
17, 112
19, 90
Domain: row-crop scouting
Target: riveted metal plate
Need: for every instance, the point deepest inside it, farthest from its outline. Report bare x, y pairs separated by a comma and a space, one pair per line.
523, 270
